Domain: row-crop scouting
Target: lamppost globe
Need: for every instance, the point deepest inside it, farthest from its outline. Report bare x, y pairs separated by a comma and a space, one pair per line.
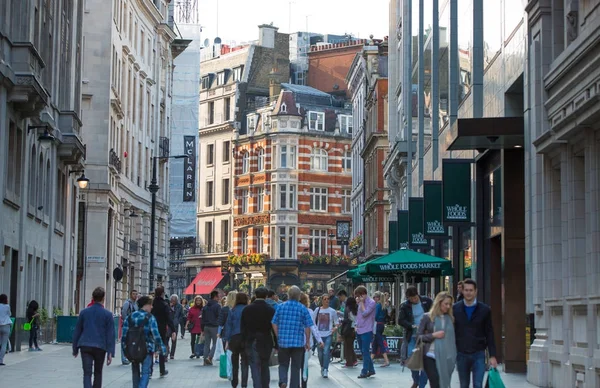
83, 181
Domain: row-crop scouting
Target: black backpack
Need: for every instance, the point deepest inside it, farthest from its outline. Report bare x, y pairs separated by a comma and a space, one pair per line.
136, 349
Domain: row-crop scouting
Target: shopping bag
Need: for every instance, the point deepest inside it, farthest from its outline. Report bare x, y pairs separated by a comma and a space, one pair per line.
219, 349
274, 359
415, 362
222, 365
305, 369
229, 365
199, 347
494, 379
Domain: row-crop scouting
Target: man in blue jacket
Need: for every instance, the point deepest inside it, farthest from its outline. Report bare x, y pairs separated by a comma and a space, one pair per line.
474, 333
94, 337
210, 326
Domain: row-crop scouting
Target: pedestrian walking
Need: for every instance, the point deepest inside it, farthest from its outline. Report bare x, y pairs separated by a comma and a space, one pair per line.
210, 326
272, 299
379, 346
315, 339
258, 337
349, 332
129, 307
164, 320
183, 322
327, 322
233, 339
142, 325
194, 324
334, 302
94, 337
224, 313
436, 330
474, 334
33, 317
291, 324
411, 313
5, 324
459, 291
364, 329
177, 315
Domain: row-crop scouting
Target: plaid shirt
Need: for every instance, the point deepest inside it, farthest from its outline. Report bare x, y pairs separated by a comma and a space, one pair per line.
151, 329
291, 319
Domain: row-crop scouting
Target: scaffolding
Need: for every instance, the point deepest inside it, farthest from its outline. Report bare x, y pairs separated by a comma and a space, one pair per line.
186, 12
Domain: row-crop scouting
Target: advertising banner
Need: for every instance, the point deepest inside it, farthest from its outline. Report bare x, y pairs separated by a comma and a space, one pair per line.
433, 210
189, 169
402, 229
415, 224
456, 186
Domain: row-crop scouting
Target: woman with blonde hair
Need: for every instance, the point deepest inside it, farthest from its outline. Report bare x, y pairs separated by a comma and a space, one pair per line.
436, 330
227, 307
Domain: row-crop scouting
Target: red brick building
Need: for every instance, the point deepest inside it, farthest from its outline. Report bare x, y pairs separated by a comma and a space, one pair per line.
329, 64
292, 186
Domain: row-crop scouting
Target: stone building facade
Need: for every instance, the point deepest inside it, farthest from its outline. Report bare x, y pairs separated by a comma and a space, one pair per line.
292, 186
41, 154
127, 79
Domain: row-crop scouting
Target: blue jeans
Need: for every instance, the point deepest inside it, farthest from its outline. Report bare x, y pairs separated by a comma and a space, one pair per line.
142, 380
92, 361
419, 377
325, 353
364, 342
471, 363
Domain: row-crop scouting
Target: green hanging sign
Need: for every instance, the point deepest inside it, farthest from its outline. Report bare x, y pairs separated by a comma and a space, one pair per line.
402, 229
415, 224
456, 186
433, 211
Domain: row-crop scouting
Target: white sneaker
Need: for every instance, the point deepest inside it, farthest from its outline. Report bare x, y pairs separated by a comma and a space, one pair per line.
325, 372
322, 372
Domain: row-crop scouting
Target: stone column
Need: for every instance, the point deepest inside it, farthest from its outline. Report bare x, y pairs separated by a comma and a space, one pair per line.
95, 246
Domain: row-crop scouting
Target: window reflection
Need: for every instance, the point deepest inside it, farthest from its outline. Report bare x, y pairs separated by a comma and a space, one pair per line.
465, 47
514, 11
443, 65
492, 30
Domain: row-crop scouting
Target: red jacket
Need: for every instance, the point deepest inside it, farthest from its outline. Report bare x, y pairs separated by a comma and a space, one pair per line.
195, 316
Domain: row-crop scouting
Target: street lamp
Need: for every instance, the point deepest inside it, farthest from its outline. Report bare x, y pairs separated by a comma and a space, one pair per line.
82, 181
331, 237
153, 188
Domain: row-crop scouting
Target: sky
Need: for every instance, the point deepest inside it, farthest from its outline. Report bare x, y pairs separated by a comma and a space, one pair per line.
239, 19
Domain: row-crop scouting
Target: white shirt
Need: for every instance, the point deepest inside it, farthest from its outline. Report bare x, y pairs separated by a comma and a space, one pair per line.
325, 319
5, 314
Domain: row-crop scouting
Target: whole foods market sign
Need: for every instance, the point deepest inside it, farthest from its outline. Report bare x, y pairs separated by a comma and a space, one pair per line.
456, 187
415, 223
433, 209
411, 267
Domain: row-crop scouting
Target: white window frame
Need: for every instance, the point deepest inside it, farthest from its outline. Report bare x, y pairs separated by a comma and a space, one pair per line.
318, 242
221, 78
244, 241
283, 108
347, 161
316, 159
287, 156
246, 162
346, 123
286, 196
260, 242
261, 158
251, 122
346, 195
316, 121
287, 236
245, 202
260, 200
317, 196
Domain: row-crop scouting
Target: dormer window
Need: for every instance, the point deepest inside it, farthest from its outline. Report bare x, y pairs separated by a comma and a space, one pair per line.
251, 122
283, 108
221, 78
316, 121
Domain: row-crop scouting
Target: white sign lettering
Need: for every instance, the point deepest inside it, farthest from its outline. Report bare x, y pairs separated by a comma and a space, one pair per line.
456, 212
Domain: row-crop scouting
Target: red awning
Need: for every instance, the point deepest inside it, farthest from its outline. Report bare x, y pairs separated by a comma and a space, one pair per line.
206, 281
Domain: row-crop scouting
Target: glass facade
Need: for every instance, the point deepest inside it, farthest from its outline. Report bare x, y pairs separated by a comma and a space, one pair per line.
443, 64
492, 30
465, 47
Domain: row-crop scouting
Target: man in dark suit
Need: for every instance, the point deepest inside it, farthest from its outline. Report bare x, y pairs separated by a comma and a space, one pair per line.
474, 333
94, 336
257, 334
162, 312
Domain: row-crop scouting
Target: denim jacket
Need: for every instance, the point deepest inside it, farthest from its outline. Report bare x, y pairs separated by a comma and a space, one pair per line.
233, 324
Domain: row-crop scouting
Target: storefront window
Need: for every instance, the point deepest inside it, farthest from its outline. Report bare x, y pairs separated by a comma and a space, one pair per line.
465, 253
443, 65
465, 47
492, 30
495, 190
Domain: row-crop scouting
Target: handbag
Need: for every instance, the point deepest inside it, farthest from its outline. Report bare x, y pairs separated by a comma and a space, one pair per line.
190, 326
415, 361
199, 347
274, 359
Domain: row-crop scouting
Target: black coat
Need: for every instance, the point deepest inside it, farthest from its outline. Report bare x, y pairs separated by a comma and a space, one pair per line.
256, 326
210, 314
476, 334
163, 314
406, 319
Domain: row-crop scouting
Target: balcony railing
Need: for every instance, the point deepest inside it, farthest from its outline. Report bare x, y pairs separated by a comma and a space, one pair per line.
163, 147
114, 160
206, 249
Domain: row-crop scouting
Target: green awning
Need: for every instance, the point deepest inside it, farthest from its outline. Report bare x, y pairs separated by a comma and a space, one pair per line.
357, 277
409, 262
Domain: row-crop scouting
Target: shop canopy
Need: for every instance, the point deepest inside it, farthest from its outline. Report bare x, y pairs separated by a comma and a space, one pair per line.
408, 263
206, 281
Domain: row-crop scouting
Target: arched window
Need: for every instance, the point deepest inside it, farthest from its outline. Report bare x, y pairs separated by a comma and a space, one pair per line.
32, 179
261, 159
246, 163
41, 187
318, 159
48, 188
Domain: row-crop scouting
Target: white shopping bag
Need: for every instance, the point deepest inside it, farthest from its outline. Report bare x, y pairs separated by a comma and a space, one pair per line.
229, 365
305, 369
219, 349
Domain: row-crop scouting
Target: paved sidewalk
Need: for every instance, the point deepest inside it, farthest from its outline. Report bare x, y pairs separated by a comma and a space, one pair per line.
56, 367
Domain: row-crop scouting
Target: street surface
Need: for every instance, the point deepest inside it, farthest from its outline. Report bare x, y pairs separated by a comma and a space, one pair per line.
56, 367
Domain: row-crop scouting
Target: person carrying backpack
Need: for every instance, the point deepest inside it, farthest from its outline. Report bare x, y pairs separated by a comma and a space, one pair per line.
140, 338
129, 307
